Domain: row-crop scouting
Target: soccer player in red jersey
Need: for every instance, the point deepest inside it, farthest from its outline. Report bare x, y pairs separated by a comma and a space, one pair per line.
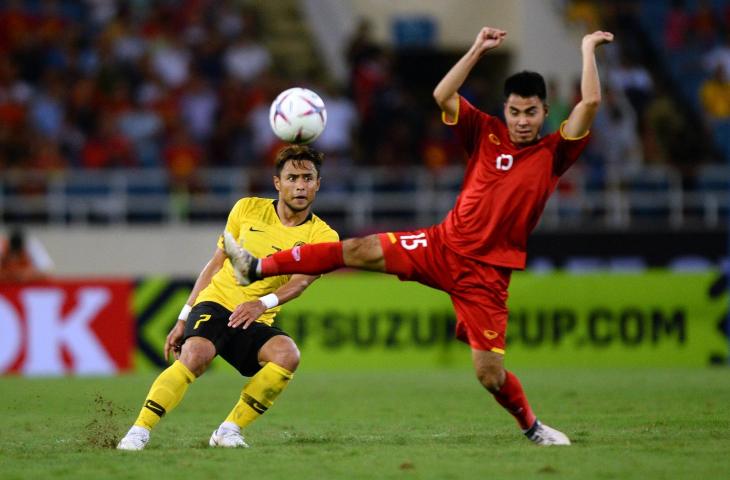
510, 174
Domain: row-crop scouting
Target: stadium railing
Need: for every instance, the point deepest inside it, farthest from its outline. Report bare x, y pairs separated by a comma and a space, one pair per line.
357, 199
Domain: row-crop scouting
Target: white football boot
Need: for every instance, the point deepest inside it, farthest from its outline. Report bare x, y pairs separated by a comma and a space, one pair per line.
241, 260
541, 434
227, 438
135, 439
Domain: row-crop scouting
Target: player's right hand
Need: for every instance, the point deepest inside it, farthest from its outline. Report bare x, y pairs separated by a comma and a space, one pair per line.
597, 38
246, 313
488, 38
173, 342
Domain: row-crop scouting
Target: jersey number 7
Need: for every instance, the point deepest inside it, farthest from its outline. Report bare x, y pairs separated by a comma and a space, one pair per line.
203, 318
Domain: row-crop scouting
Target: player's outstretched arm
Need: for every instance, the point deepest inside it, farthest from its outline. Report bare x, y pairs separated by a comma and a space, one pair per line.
174, 338
581, 118
445, 92
248, 312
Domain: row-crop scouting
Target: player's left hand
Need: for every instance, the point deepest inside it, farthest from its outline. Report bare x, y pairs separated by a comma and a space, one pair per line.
246, 313
597, 38
173, 342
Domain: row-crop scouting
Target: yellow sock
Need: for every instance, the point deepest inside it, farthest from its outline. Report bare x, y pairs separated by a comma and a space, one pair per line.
165, 393
259, 394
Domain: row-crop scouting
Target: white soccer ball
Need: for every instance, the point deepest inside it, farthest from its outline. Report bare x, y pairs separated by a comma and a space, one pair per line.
298, 116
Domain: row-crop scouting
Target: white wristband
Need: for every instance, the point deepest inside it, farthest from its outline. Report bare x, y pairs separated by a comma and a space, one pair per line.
184, 312
270, 300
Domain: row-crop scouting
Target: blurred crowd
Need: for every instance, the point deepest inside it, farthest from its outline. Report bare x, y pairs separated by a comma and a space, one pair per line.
707, 31
187, 84
646, 119
179, 85
102, 84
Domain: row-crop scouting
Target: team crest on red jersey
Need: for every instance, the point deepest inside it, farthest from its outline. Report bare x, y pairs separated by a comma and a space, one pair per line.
490, 334
494, 139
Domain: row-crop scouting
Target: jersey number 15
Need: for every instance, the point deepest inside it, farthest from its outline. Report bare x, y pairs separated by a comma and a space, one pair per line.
412, 242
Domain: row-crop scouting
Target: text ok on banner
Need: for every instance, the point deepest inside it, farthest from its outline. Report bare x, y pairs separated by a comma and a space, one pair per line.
66, 327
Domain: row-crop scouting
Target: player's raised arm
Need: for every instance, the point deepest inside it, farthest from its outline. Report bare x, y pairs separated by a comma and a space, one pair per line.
445, 92
581, 118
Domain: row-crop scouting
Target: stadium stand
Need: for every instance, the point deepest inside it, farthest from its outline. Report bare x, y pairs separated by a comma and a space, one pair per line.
115, 112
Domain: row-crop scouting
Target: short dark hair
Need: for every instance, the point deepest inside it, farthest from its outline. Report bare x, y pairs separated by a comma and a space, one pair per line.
525, 84
298, 152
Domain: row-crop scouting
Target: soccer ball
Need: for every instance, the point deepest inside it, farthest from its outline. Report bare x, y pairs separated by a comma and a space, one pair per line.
298, 115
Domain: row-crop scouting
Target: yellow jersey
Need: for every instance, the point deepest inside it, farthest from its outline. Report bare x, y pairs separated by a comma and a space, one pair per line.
254, 223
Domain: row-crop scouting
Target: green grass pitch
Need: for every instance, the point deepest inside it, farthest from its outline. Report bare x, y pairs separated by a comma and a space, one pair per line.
627, 423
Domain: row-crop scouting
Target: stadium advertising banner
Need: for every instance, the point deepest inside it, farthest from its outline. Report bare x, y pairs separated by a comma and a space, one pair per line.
366, 321
66, 327
646, 319
360, 320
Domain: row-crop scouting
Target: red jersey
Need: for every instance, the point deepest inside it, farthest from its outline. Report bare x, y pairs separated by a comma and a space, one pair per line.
505, 187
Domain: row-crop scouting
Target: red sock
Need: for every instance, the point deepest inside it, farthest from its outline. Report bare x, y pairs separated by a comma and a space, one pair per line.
312, 259
513, 399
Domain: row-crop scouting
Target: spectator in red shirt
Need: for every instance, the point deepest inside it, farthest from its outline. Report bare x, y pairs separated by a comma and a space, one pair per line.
183, 156
107, 148
705, 24
676, 26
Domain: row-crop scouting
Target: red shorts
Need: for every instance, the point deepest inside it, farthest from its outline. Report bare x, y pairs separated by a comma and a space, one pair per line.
478, 290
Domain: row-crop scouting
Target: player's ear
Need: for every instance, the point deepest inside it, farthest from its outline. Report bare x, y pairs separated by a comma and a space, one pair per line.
277, 183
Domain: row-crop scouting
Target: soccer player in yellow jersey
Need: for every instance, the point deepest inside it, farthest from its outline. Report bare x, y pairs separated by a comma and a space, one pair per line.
223, 318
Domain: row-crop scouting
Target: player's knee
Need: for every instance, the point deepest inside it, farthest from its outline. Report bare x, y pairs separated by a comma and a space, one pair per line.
282, 351
197, 355
354, 249
289, 358
491, 378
